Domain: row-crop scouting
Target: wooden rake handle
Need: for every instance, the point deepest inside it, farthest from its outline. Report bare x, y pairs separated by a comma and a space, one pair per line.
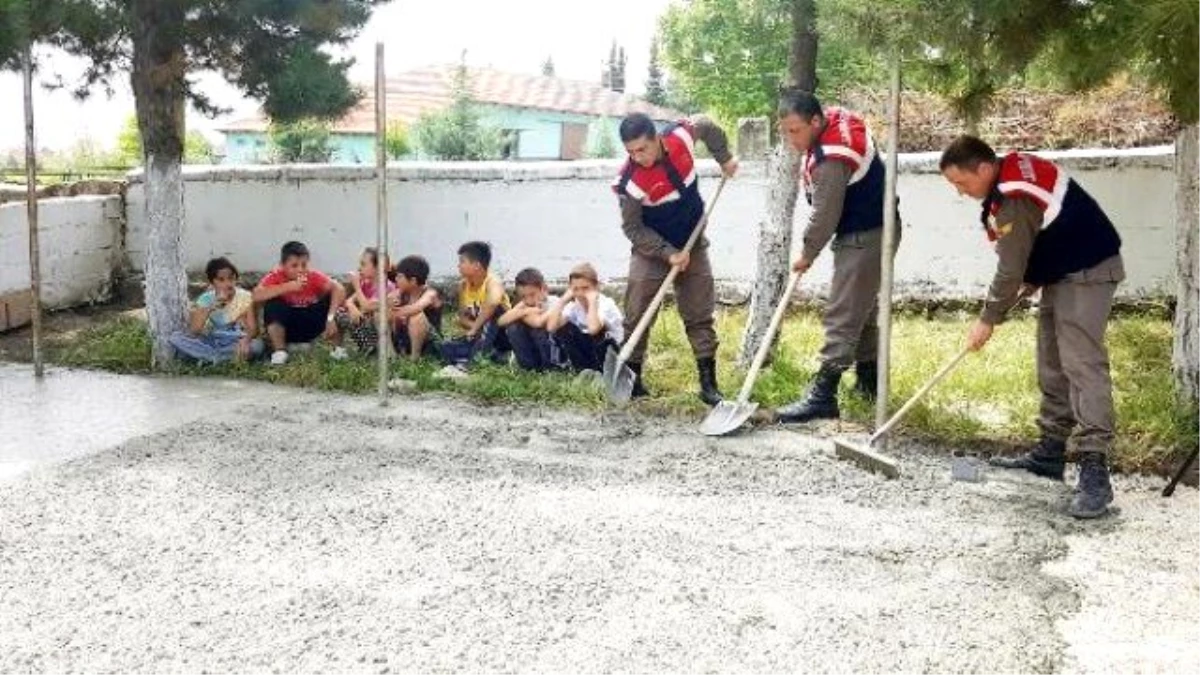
644, 322
768, 339
941, 374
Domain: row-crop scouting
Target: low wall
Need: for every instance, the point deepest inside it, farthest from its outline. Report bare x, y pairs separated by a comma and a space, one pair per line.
81, 248
552, 215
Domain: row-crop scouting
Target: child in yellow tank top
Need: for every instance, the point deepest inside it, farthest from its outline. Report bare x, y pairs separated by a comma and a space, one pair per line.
481, 301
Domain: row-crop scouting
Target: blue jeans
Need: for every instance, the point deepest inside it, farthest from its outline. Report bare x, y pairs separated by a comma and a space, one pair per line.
219, 346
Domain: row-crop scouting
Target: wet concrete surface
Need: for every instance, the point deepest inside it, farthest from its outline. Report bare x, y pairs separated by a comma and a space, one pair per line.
217, 526
72, 413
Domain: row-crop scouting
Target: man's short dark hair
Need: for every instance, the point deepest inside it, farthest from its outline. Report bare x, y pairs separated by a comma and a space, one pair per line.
414, 267
477, 251
799, 102
530, 277
292, 249
967, 153
214, 267
637, 125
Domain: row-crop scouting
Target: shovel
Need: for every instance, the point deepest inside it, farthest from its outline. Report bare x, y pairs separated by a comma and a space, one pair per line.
869, 458
729, 416
619, 378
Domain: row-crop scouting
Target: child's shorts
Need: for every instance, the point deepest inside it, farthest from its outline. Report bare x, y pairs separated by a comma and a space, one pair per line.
301, 324
403, 342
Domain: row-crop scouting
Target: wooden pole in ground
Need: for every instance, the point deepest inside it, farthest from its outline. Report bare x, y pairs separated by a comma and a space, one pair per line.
382, 313
889, 247
31, 204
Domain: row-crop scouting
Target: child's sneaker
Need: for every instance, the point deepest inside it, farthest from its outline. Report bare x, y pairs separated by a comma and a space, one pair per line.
279, 357
339, 354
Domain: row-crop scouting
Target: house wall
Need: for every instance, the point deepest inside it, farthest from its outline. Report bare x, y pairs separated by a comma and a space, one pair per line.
244, 147
554, 214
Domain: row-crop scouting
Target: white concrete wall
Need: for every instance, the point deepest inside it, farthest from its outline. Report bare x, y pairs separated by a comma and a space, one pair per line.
552, 215
80, 241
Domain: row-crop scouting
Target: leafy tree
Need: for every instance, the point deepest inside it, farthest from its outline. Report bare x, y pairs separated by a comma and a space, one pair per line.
731, 56
458, 132
656, 91
305, 141
271, 50
966, 51
396, 141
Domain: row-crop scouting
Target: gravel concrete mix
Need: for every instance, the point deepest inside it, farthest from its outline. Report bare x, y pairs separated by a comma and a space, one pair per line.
316, 533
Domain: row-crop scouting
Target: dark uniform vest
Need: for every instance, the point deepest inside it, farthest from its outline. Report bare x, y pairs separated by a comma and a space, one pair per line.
846, 139
668, 191
1076, 233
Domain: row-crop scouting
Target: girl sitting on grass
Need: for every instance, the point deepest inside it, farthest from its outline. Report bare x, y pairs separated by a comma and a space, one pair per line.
356, 317
221, 326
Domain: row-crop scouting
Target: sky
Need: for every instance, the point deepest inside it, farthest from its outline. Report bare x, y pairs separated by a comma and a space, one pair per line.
515, 35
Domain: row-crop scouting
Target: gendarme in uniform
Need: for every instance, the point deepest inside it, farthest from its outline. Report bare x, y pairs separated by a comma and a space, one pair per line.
844, 183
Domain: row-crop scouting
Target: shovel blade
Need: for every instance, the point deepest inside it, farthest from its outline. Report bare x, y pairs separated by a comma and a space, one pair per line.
867, 458
618, 378
727, 417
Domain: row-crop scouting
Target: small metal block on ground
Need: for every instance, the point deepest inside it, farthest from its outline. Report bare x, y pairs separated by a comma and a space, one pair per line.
967, 468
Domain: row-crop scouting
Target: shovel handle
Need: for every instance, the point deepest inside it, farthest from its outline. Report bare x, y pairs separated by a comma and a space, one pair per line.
941, 374
768, 338
647, 316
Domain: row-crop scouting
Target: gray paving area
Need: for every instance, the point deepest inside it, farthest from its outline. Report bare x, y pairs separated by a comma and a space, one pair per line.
151, 525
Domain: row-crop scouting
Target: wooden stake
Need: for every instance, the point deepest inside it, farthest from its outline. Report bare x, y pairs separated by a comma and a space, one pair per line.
31, 204
889, 247
383, 312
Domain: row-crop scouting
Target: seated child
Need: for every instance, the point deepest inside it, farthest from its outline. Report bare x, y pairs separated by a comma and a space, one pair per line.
221, 325
481, 301
416, 309
356, 316
584, 322
299, 304
525, 324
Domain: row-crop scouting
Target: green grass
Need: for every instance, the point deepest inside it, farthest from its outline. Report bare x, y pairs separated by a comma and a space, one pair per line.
990, 401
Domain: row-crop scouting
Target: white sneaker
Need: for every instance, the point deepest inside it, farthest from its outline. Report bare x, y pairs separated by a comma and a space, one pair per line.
279, 357
339, 354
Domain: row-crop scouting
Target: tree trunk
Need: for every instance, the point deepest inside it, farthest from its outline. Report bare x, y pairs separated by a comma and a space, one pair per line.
1186, 359
159, 67
783, 172
774, 248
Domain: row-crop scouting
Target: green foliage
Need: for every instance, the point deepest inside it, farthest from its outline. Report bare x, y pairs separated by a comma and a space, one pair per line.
990, 401
731, 56
603, 141
458, 132
396, 141
128, 153
304, 141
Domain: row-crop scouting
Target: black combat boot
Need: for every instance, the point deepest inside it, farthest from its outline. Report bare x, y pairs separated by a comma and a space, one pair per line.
1094, 492
709, 393
1046, 459
819, 402
867, 379
639, 390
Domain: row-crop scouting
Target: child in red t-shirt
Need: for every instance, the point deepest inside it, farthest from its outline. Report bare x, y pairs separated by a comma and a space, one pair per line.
299, 304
